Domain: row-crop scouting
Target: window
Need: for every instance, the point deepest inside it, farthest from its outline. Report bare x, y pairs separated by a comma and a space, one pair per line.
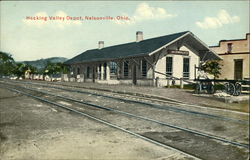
78, 70
113, 67
88, 72
144, 68
169, 66
125, 69
229, 47
186, 68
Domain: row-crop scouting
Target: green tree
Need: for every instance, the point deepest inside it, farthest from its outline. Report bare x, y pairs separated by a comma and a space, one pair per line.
7, 64
22, 68
55, 68
212, 67
32, 69
64, 68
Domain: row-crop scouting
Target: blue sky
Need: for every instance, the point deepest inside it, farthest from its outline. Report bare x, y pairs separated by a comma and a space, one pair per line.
27, 39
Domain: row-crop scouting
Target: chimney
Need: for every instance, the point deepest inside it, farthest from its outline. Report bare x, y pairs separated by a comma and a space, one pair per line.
100, 44
139, 36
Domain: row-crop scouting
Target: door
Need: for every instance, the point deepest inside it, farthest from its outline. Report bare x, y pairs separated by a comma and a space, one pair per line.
238, 68
93, 74
105, 71
134, 75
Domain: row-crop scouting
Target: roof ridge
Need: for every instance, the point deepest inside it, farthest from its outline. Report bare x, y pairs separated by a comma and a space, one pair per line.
165, 35
127, 49
145, 39
135, 41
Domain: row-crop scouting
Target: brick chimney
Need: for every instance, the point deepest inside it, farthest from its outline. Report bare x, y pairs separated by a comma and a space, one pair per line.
139, 36
100, 44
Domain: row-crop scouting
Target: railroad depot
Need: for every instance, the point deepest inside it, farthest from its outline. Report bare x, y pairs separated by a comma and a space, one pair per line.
143, 62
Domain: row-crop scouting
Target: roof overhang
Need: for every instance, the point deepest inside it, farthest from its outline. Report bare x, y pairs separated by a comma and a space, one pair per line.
203, 47
189, 38
168, 44
111, 59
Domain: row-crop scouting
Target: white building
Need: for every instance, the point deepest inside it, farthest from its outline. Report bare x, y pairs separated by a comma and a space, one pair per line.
143, 62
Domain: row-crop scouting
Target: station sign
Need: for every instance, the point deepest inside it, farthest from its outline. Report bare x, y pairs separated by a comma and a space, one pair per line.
178, 52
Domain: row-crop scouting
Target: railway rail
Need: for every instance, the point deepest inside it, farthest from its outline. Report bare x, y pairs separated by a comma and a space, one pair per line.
40, 94
135, 116
151, 98
148, 104
105, 122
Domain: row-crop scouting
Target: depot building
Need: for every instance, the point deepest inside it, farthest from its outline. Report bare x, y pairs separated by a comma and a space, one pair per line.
142, 62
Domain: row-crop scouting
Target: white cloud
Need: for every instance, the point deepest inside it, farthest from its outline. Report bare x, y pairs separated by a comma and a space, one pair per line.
221, 19
145, 12
42, 19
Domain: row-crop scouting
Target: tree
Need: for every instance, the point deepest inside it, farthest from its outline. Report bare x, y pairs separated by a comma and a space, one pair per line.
7, 64
55, 68
22, 68
212, 67
64, 68
32, 69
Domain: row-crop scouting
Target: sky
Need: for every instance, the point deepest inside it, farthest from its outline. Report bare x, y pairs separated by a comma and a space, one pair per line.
28, 33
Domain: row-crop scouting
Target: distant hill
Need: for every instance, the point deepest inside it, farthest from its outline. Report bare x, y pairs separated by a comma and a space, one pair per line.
41, 63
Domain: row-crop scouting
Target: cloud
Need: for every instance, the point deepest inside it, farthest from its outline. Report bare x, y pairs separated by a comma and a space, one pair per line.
57, 20
222, 18
145, 12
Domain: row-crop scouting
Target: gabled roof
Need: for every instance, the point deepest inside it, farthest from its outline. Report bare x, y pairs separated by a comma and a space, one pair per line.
133, 49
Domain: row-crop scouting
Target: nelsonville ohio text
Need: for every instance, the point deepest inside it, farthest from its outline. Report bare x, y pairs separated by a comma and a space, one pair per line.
77, 18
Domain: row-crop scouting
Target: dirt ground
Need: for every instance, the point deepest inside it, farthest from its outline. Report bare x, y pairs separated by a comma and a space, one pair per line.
33, 130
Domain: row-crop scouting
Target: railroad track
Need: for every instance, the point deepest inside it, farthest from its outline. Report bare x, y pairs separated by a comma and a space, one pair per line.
13, 88
103, 121
151, 98
147, 104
